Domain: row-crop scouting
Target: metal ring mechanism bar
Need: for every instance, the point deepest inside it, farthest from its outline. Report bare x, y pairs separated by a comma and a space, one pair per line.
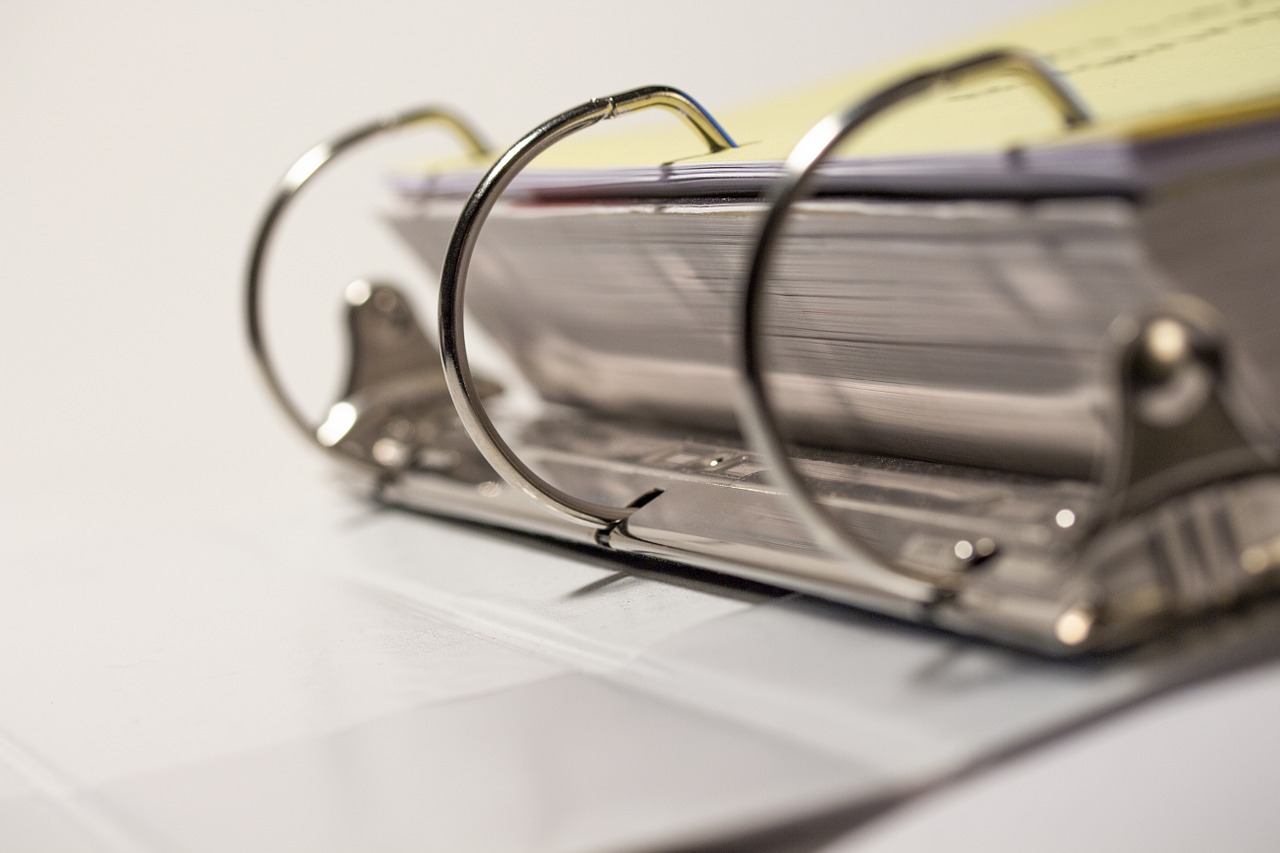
756, 410
453, 282
302, 171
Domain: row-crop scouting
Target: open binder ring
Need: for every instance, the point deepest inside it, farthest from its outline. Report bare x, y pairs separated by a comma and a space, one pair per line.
453, 350
302, 171
756, 411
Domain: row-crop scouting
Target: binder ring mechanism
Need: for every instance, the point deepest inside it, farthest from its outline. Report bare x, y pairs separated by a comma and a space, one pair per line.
755, 409
458, 377
303, 170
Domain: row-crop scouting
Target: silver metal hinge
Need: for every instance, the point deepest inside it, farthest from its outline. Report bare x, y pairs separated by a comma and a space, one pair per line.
395, 411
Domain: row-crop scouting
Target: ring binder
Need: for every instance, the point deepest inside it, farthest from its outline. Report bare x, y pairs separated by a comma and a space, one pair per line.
453, 281
298, 175
755, 409
1185, 521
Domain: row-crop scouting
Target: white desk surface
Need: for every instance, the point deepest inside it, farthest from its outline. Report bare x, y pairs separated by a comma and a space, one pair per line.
204, 644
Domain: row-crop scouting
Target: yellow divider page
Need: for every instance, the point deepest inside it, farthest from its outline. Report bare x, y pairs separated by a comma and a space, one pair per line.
1144, 67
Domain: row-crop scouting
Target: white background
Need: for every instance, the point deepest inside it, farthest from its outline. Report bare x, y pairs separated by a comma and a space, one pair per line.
139, 141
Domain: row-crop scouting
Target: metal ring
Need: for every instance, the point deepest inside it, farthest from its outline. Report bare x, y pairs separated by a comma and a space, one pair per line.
755, 409
453, 281
302, 171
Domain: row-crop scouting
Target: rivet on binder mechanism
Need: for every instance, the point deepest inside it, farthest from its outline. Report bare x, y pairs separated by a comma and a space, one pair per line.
1002, 361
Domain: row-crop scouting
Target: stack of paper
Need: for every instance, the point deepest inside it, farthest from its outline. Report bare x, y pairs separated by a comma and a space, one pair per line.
947, 297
